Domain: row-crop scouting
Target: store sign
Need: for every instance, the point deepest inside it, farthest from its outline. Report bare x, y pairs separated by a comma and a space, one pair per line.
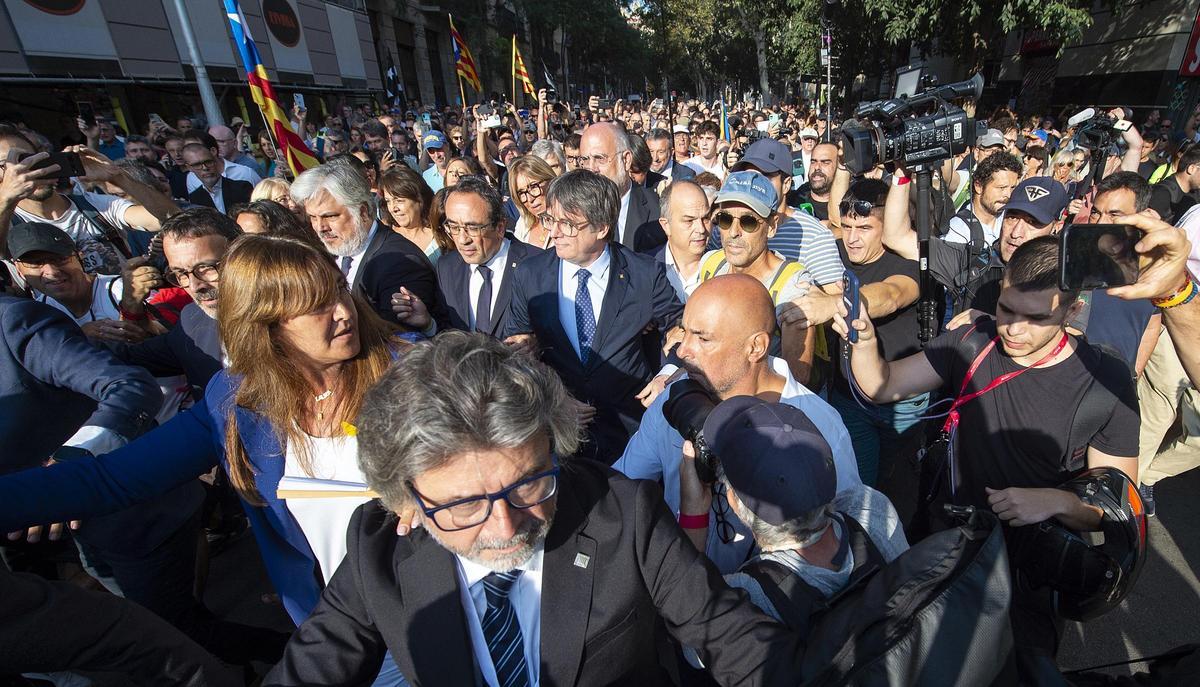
1191, 56
282, 21
59, 7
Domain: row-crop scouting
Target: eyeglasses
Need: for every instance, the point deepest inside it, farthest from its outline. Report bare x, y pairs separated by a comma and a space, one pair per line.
56, 261
747, 223
203, 164
575, 160
472, 230
533, 190
473, 511
204, 271
858, 208
564, 226
725, 529
594, 161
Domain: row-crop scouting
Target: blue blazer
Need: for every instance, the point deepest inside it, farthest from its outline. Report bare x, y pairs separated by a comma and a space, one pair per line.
454, 278
638, 295
187, 446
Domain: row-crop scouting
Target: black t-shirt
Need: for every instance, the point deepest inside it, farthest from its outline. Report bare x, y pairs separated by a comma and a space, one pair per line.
1167, 193
802, 198
898, 333
1146, 169
1016, 435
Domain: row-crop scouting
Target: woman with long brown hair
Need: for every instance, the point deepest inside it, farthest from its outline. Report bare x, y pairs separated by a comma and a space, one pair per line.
529, 178
302, 351
407, 198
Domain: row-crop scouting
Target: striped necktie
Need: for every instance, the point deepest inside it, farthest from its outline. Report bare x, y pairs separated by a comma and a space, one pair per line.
503, 632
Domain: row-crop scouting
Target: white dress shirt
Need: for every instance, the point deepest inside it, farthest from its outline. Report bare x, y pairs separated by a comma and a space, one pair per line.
497, 265
526, 599
597, 285
232, 171
356, 259
683, 287
621, 217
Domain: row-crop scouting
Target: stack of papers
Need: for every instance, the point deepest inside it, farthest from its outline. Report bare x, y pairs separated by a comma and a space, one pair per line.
313, 488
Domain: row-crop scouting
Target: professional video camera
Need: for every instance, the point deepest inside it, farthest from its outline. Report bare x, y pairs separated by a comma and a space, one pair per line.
1098, 130
916, 130
686, 409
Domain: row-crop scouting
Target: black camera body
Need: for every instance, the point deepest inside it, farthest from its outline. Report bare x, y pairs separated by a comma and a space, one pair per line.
1098, 133
686, 409
884, 131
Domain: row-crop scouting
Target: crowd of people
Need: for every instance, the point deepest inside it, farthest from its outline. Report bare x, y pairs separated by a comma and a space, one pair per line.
439, 378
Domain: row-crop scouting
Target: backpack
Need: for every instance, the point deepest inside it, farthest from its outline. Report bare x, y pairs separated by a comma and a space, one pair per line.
980, 260
935, 616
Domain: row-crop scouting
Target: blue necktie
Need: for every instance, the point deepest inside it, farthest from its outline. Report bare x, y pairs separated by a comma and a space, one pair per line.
585, 317
503, 632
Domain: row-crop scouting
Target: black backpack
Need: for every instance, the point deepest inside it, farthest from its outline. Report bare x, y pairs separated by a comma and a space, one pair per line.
936, 616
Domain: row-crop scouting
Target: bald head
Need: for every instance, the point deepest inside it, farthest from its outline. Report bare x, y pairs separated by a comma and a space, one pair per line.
735, 303
605, 150
226, 141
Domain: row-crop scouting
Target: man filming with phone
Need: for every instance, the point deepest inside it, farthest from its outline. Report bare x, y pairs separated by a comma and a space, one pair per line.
95, 222
1014, 433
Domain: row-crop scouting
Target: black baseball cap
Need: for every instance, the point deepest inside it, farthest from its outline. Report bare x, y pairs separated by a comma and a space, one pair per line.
775, 458
1042, 197
31, 237
768, 155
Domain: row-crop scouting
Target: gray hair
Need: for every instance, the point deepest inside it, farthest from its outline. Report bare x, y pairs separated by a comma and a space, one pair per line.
584, 192
461, 392
545, 148
796, 533
344, 183
664, 201
660, 134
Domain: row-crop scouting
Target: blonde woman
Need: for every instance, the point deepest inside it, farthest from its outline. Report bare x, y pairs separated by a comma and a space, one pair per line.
407, 198
280, 191
529, 178
302, 352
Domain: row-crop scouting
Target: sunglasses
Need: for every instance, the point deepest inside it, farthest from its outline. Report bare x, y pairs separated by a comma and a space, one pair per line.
858, 208
747, 223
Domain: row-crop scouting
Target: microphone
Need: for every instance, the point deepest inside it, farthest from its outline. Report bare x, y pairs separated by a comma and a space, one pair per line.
1081, 117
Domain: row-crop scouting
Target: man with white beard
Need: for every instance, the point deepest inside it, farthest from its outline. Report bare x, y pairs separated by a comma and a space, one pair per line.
379, 264
605, 150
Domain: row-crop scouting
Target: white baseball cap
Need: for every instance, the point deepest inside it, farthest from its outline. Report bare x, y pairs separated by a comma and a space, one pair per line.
680, 129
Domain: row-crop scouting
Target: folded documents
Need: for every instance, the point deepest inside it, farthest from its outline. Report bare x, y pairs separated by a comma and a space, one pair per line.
313, 488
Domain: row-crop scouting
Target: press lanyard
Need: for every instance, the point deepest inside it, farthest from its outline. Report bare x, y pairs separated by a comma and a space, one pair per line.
951, 425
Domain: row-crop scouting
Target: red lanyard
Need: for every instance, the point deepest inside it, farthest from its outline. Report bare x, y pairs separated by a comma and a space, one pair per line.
952, 417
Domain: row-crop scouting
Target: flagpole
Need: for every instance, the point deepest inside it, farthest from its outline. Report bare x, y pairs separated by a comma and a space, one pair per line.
514, 70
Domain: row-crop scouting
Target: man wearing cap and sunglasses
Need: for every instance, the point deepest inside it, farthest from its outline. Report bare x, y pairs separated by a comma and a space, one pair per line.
434, 143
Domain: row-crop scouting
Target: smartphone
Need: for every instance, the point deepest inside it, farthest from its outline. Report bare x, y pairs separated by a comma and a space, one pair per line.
850, 298
1097, 256
492, 122
298, 99
603, 104
157, 120
86, 112
69, 164
425, 118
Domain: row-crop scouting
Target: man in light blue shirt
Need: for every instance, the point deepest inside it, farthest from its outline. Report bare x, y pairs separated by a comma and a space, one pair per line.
434, 143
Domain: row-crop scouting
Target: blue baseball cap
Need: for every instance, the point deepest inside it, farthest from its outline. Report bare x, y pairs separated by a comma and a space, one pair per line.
750, 189
1043, 198
768, 155
775, 458
433, 140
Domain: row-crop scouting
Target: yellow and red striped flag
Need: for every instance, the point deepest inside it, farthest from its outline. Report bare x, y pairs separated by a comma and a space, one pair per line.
298, 156
520, 73
464, 64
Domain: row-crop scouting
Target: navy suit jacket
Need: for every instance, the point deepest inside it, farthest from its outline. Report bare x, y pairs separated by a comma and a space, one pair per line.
643, 233
392, 261
454, 292
192, 347
624, 359
52, 382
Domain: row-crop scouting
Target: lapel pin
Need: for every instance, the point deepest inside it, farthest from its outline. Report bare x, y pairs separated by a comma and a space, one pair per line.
582, 560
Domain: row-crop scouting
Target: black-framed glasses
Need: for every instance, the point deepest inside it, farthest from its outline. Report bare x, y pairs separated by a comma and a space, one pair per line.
533, 190
725, 529
858, 208
203, 164
747, 223
475, 510
204, 271
453, 229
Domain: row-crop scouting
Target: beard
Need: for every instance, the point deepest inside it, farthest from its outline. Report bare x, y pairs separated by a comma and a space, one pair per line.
352, 245
529, 535
41, 193
820, 187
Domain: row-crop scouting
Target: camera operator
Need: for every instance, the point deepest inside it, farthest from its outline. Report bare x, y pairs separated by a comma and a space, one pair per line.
727, 324
1019, 382
993, 181
779, 477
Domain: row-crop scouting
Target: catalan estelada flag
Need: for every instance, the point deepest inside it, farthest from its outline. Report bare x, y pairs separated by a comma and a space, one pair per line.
726, 134
520, 73
464, 64
298, 156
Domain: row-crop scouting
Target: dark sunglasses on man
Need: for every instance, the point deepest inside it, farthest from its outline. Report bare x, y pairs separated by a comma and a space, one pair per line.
748, 223
857, 208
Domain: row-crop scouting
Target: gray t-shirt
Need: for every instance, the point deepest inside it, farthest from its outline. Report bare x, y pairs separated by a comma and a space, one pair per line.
869, 508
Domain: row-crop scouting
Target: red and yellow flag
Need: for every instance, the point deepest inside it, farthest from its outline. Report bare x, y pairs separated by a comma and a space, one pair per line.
520, 73
298, 156
464, 64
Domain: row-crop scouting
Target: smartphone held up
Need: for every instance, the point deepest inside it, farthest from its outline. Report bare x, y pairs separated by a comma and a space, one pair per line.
1097, 256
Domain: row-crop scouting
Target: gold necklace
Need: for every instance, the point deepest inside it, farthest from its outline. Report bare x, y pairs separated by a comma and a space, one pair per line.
321, 397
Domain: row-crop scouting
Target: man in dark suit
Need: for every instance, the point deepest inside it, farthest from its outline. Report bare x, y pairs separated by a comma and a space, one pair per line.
194, 243
606, 150
475, 281
594, 310
662, 156
377, 262
216, 190
528, 568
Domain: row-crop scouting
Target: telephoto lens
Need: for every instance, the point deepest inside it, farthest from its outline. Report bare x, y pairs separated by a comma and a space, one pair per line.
686, 409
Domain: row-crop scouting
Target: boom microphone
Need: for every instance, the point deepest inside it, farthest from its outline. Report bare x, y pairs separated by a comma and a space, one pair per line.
1081, 117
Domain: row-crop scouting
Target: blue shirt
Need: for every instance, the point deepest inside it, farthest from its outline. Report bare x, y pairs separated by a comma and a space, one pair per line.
114, 150
433, 177
655, 449
568, 284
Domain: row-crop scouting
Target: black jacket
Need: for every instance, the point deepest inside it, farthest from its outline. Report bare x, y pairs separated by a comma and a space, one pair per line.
454, 277
615, 563
392, 261
233, 192
192, 347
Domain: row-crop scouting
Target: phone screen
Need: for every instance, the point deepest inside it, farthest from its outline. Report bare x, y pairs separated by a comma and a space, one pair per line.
850, 298
1095, 256
69, 164
298, 98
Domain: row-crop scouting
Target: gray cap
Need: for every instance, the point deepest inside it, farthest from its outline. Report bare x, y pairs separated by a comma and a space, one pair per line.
993, 137
767, 155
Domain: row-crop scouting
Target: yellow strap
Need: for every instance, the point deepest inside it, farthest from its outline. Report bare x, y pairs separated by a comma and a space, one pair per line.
712, 264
